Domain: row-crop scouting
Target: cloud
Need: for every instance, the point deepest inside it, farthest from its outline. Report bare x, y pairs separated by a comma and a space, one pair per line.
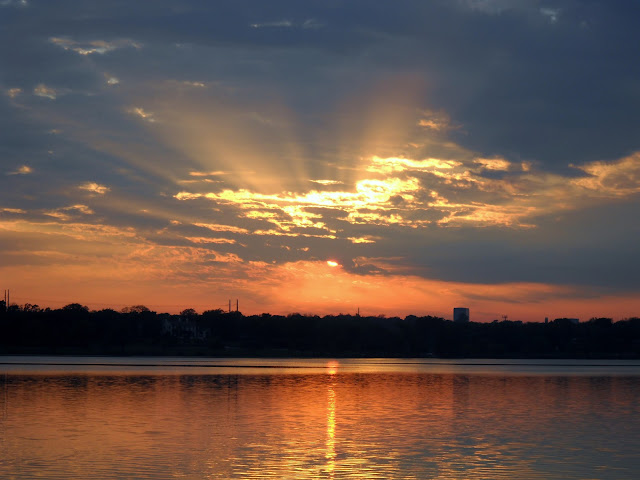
13, 92
620, 178
499, 164
22, 170
551, 13
66, 213
143, 114
366, 239
42, 90
393, 165
312, 23
327, 182
290, 211
94, 187
14, 3
30, 230
308, 24
208, 174
206, 240
94, 46
189, 83
222, 228
495, 7
274, 24
418, 193
437, 121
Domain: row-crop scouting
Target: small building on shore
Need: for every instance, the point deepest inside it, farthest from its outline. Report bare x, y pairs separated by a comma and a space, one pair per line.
461, 315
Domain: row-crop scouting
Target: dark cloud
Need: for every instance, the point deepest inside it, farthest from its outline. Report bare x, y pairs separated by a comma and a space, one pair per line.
522, 85
592, 248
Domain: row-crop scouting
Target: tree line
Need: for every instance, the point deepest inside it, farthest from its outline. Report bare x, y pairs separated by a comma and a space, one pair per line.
136, 330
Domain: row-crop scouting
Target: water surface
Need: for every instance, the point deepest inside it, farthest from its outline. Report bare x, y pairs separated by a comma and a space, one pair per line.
150, 418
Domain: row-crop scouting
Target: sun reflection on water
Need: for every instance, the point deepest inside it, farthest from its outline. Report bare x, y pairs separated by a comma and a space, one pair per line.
332, 369
331, 432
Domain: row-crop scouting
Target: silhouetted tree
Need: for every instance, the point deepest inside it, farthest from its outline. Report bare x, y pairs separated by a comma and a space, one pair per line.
75, 307
135, 309
30, 308
189, 313
13, 307
601, 322
137, 329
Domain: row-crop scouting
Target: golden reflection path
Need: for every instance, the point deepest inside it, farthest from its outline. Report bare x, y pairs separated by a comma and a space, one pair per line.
332, 369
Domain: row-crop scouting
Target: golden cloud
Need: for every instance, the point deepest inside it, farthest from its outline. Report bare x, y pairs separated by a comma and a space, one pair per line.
87, 232
416, 193
365, 239
437, 121
42, 90
206, 240
65, 213
207, 174
288, 210
394, 165
22, 170
13, 92
143, 114
327, 182
613, 179
94, 187
493, 163
215, 227
12, 210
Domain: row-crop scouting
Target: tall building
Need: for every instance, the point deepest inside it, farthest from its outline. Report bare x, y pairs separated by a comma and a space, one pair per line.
460, 315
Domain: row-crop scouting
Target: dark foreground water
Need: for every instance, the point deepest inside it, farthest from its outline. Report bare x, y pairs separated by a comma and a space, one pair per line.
105, 418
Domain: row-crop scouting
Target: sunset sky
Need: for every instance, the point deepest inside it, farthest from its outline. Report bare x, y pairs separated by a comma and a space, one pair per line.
401, 157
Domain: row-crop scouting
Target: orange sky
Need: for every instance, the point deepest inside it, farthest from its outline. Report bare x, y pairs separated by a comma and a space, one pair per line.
308, 288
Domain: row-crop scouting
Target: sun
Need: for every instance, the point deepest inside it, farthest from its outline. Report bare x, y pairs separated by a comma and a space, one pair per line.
332, 264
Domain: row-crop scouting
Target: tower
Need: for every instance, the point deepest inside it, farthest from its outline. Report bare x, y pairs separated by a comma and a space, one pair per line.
461, 315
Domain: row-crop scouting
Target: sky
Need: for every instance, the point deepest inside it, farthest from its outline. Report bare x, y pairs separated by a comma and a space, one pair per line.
400, 157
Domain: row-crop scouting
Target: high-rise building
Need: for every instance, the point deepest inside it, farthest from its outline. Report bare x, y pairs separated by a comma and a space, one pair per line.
460, 315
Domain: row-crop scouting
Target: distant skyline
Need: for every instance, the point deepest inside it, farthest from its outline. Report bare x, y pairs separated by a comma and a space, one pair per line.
402, 157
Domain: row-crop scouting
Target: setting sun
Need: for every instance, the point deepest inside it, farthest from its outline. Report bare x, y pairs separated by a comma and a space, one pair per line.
331, 263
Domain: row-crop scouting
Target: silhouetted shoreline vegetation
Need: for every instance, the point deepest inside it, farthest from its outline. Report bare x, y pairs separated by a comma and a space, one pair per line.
136, 330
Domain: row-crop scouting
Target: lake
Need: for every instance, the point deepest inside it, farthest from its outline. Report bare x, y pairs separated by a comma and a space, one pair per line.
185, 418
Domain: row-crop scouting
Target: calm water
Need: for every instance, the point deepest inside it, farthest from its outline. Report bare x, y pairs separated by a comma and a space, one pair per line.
80, 418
